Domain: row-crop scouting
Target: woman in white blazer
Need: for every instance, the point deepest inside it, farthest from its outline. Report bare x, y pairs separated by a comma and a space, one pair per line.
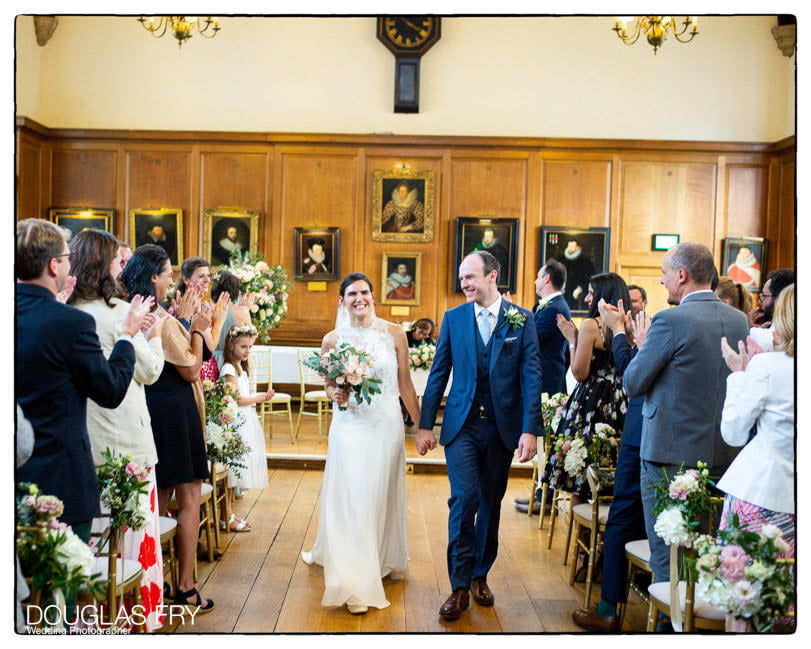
96, 263
759, 484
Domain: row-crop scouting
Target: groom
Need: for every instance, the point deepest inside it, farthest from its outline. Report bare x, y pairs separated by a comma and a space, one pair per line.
493, 407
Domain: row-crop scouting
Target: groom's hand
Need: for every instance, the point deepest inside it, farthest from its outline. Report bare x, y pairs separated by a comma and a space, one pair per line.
527, 447
425, 441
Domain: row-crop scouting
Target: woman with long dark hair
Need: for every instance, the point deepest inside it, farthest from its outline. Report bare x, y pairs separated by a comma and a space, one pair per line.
177, 410
599, 397
96, 264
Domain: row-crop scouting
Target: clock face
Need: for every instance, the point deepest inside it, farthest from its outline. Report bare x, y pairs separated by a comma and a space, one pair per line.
408, 33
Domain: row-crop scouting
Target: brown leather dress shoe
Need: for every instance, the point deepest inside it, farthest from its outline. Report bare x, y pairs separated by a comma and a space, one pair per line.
589, 620
481, 592
536, 508
522, 501
455, 604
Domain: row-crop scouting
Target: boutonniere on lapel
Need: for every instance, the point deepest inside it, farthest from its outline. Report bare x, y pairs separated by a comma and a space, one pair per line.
514, 318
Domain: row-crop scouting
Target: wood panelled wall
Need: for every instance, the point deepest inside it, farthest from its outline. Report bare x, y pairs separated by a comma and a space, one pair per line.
704, 191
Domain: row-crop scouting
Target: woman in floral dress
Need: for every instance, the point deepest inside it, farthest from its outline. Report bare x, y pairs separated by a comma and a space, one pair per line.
598, 398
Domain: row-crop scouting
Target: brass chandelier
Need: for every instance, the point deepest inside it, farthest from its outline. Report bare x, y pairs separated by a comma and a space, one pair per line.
656, 29
181, 26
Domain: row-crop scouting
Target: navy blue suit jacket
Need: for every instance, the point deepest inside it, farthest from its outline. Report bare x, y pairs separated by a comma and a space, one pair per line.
58, 365
623, 355
515, 379
552, 345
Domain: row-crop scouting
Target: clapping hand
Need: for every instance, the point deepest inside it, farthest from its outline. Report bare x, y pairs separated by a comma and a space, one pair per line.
152, 324
201, 321
247, 299
65, 293
639, 326
567, 328
613, 316
188, 304
221, 307
736, 362
139, 307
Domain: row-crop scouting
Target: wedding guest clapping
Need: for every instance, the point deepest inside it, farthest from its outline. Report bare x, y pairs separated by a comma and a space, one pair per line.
96, 262
177, 411
759, 484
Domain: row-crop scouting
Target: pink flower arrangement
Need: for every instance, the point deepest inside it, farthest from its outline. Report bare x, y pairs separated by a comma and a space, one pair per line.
733, 562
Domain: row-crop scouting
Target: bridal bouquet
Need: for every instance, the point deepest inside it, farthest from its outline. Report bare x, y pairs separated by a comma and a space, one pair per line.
223, 443
50, 554
270, 286
742, 573
124, 488
350, 368
421, 357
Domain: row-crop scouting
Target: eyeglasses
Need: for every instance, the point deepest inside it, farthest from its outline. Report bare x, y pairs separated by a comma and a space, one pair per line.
762, 295
64, 254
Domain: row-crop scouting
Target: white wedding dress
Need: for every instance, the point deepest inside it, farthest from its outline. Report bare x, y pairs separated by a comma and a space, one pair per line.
362, 521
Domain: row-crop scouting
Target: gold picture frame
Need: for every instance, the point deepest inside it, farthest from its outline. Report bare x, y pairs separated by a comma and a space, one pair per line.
76, 219
226, 229
403, 214
143, 224
401, 278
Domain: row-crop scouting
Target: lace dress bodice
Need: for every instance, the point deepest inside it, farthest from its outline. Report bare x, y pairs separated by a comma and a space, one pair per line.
377, 340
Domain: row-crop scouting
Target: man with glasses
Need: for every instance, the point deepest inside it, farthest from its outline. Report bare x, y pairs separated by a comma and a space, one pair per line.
58, 365
761, 315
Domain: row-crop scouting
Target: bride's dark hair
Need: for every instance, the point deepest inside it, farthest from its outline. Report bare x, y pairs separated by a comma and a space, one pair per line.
351, 279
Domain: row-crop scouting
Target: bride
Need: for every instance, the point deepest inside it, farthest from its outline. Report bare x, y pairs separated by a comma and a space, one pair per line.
362, 522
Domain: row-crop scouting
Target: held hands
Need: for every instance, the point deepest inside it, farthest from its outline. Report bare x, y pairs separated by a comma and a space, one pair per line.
139, 307
425, 440
567, 328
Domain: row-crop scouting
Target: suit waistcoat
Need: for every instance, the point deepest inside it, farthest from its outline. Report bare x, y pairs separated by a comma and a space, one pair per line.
483, 397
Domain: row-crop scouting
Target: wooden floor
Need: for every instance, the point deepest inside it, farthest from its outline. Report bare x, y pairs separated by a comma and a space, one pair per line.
261, 585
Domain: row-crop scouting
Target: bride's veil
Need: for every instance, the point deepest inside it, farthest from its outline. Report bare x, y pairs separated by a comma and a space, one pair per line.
342, 317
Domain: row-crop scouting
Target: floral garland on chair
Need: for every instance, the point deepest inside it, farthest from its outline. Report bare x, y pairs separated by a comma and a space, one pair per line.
224, 444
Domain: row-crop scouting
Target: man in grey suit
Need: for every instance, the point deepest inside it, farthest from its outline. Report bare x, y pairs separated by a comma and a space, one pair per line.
682, 375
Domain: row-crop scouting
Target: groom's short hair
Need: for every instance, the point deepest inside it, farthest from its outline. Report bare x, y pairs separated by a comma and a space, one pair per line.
490, 262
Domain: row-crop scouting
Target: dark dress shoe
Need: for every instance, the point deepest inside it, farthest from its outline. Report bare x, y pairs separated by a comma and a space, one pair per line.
481, 592
589, 620
455, 604
522, 501
536, 508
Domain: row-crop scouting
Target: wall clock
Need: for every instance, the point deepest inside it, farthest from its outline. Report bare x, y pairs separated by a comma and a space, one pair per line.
408, 38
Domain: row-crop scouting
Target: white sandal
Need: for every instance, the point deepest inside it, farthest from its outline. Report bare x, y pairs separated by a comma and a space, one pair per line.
241, 526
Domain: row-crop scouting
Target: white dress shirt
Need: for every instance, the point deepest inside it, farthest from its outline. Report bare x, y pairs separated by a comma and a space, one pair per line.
494, 308
763, 472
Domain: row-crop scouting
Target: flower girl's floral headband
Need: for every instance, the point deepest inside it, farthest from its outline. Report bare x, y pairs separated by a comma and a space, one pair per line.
241, 330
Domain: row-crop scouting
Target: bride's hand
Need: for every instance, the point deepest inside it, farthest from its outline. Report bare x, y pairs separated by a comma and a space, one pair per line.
339, 395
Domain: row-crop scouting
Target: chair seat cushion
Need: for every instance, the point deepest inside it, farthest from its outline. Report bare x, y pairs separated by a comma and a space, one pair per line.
583, 512
639, 549
167, 524
125, 569
281, 397
314, 395
660, 591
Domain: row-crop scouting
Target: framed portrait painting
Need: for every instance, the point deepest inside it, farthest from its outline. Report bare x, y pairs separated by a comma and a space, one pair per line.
162, 227
744, 261
496, 236
583, 251
317, 254
227, 230
76, 219
403, 205
401, 278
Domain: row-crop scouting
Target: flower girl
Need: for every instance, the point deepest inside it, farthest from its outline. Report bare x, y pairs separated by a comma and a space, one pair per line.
236, 352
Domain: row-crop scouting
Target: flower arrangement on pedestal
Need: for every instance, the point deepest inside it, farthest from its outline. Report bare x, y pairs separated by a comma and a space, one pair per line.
223, 443
350, 368
124, 490
742, 573
56, 561
421, 357
268, 284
